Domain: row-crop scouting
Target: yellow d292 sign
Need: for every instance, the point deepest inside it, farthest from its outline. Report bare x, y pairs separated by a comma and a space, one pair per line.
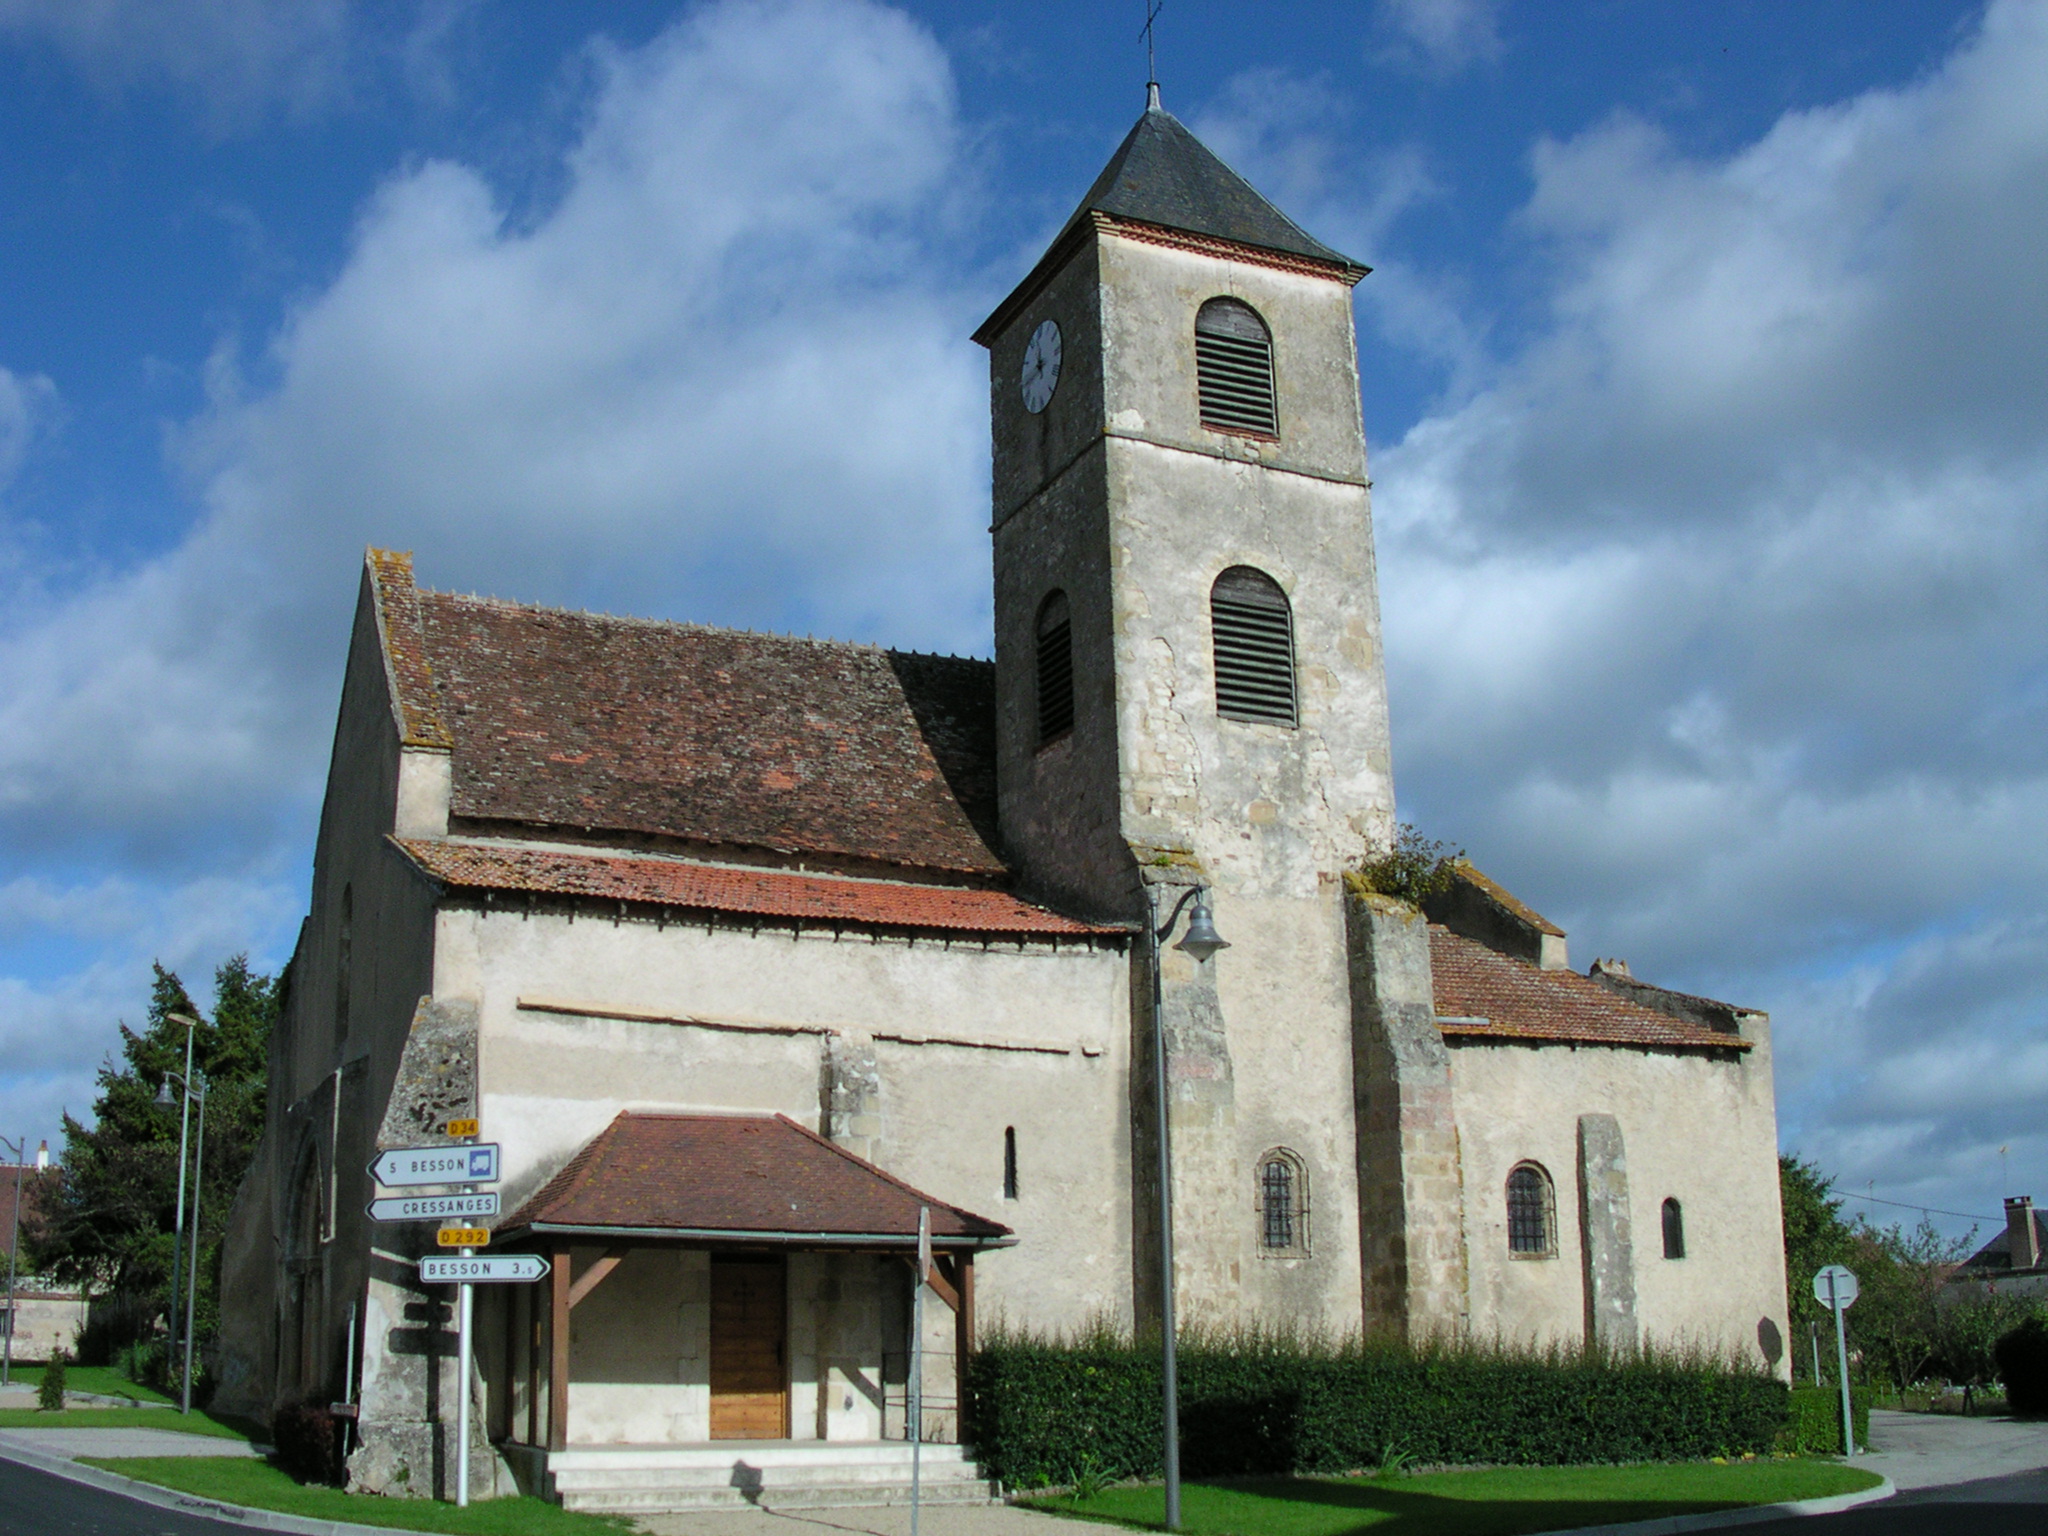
463, 1237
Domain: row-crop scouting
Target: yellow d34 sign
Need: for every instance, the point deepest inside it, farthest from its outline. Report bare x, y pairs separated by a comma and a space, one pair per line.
461, 1128
463, 1237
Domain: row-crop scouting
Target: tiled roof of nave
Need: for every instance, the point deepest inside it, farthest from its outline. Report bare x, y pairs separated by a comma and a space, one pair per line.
579, 720
1519, 1001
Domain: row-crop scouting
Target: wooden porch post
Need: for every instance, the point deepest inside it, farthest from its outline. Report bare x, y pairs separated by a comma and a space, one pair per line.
963, 1331
530, 1316
558, 1352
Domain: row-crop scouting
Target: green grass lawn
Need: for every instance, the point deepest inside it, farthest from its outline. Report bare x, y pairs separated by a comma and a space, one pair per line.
193, 1423
239, 1480
103, 1380
1495, 1502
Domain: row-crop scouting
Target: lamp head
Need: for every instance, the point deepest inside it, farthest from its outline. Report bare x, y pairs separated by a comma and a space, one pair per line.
163, 1094
1202, 939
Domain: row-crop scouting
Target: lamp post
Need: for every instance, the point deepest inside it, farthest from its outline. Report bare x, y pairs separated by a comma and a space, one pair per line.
1201, 942
192, 1088
20, 1148
163, 1098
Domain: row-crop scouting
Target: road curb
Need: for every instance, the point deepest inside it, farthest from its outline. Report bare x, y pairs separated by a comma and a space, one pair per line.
1720, 1519
192, 1504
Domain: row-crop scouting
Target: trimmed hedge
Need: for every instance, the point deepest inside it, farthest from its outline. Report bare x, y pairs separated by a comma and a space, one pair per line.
1050, 1413
1815, 1425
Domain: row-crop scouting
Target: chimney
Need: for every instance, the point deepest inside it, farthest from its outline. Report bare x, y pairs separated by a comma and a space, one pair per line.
2021, 1239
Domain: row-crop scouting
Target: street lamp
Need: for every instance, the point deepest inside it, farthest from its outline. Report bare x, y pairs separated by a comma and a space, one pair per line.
191, 1090
1201, 942
20, 1147
163, 1099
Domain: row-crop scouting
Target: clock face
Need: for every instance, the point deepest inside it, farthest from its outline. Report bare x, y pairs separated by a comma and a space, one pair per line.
1041, 367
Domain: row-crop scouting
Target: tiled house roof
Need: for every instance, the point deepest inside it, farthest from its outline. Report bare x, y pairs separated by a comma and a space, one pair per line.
1997, 1254
769, 893
589, 722
760, 1177
1484, 995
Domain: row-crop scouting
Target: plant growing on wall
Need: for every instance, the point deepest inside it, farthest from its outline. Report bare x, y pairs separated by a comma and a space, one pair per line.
1413, 870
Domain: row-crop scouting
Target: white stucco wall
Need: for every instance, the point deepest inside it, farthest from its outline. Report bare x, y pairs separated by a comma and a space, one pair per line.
1696, 1126
552, 1080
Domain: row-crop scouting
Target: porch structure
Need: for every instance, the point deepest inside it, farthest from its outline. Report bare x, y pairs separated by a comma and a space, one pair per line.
726, 1278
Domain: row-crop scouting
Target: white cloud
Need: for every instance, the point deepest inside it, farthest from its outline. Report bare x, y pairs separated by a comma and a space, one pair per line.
27, 405
716, 378
1440, 36
233, 56
1716, 617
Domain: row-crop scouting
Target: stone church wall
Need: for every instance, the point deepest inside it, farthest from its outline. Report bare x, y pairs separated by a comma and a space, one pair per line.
780, 1019
1690, 1125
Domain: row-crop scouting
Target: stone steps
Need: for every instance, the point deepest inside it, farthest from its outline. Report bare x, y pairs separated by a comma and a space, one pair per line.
777, 1474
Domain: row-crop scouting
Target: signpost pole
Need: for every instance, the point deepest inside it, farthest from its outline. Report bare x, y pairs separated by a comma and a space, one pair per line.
464, 1296
1842, 1368
1813, 1333
916, 1404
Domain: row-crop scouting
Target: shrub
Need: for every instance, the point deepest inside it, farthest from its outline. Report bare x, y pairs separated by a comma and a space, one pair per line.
1413, 870
50, 1395
1045, 1413
2022, 1357
1815, 1425
310, 1445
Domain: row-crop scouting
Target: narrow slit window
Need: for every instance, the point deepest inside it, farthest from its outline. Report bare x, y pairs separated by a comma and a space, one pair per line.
1532, 1213
1234, 369
1674, 1230
1253, 631
1055, 669
1009, 1162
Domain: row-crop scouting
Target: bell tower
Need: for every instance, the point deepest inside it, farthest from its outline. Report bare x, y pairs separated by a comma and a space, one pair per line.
1190, 689
1187, 622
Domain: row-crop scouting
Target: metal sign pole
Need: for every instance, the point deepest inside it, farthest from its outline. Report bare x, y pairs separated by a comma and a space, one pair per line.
1842, 1366
13, 1242
916, 1403
1813, 1334
464, 1296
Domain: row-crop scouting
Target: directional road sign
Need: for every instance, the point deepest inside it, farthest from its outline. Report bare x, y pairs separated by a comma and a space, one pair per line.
1840, 1281
498, 1267
403, 1166
433, 1207
463, 1237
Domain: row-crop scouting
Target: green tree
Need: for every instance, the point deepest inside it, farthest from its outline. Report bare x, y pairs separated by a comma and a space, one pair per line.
1815, 1236
110, 1225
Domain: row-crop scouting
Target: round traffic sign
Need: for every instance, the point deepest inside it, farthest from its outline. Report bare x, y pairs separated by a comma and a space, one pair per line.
1835, 1286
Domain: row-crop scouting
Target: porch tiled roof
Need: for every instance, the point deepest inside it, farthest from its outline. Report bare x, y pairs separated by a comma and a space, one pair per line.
771, 893
1484, 995
738, 1177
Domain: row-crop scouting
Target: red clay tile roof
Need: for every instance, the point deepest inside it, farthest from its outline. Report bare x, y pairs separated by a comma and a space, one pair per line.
405, 650
763, 892
585, 720
36, 1189
1519, 1001
738, 1175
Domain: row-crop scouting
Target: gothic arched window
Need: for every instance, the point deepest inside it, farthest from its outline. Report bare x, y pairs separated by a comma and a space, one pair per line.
1532, 1213
1055, 669
1674, 1230
1253, 631
1234, 369
1283, 1203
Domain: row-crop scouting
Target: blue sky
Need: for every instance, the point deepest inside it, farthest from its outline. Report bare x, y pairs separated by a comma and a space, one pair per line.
1703, 371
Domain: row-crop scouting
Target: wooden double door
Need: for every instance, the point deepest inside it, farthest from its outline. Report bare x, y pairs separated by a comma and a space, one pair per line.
749, 1348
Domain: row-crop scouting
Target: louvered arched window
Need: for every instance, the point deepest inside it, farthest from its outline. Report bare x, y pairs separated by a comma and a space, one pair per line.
1532, 1213
1234, 369
1055, 669
1253, 630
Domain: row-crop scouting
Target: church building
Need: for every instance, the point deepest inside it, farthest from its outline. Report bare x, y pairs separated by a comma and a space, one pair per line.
751, 954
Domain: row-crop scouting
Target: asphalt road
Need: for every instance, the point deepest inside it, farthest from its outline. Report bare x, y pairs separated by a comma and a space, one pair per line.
34, 1503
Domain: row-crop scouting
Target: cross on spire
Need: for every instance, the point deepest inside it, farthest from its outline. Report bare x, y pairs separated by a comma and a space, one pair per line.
1152, 10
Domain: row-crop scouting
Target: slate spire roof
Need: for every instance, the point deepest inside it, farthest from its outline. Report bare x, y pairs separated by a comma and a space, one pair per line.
1162, 174
1164, 177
